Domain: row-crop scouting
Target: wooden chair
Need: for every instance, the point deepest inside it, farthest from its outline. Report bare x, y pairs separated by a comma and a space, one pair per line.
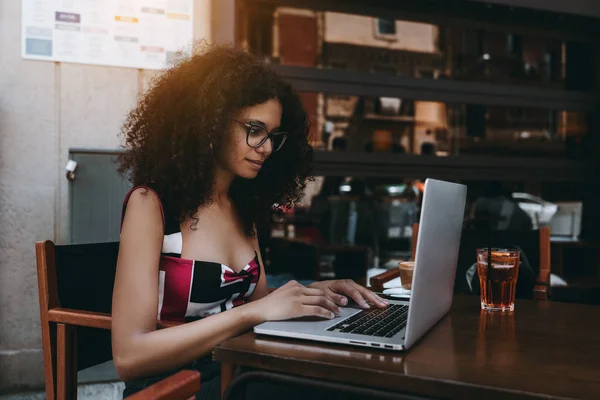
535, 244
75, 284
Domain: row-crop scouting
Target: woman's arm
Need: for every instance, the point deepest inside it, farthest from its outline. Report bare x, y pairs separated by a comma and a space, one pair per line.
261, 289
138, 348
141, 350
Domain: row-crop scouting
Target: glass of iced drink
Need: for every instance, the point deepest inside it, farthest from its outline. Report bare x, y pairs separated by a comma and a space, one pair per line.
498, 274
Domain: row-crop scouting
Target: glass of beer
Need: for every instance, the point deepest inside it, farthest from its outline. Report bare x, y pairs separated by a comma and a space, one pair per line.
498, 278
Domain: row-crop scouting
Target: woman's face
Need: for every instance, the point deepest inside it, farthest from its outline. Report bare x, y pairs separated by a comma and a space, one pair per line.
241, 159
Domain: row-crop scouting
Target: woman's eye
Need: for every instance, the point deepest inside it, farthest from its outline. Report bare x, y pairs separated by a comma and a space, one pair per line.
255, 130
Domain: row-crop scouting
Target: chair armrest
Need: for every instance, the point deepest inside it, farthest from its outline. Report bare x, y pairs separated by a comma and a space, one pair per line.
377, 281
182, 385
92, 319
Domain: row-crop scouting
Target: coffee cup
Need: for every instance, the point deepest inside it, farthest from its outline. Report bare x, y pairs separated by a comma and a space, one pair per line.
406, 273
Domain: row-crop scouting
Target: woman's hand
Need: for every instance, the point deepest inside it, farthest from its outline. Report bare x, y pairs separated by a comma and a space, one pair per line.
294, 301
336, 290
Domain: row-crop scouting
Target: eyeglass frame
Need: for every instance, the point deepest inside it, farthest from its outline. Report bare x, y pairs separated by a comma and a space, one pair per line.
251, 124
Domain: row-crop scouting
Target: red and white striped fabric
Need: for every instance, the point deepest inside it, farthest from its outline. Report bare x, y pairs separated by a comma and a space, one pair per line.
192, 289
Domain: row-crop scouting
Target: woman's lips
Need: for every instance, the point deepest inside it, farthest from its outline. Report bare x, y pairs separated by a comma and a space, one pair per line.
256, 164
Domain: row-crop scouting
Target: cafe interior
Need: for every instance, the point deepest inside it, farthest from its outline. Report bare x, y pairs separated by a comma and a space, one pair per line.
501, 96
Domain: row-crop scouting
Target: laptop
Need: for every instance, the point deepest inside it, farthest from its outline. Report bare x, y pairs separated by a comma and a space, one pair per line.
402, 323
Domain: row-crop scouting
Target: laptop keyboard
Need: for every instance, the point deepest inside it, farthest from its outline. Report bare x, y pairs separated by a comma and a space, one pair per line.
381, 322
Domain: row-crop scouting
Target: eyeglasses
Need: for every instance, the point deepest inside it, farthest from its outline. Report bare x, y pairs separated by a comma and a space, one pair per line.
257, 135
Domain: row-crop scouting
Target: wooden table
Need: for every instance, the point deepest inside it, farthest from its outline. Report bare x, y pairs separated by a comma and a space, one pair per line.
542, 350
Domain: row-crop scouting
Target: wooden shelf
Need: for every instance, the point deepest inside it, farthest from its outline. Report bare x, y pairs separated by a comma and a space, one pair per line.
465, 167
344, 82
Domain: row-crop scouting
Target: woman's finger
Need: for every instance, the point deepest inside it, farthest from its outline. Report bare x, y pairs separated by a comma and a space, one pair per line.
344, 287
337, 298
365, 294
322, 301
316, 311
369, 295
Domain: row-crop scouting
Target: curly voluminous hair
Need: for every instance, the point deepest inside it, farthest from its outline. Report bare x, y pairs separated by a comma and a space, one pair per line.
169, 134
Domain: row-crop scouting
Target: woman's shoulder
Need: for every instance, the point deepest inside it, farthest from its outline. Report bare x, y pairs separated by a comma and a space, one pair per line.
144, 192
143, 196
143, 200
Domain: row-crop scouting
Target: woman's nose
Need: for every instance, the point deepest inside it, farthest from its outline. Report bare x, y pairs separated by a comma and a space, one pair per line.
266, 148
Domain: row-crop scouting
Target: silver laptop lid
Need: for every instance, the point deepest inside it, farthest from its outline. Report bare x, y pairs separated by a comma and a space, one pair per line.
438, 242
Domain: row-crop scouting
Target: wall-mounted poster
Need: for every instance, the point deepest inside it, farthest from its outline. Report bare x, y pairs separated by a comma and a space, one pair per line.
123, 33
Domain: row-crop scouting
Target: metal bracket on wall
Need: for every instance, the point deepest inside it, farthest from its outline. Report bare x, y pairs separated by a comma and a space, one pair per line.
70, 168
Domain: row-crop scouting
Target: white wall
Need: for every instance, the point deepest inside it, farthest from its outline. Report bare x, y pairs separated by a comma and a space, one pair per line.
45, 109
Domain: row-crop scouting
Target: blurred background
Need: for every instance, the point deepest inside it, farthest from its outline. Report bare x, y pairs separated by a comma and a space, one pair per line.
500, 95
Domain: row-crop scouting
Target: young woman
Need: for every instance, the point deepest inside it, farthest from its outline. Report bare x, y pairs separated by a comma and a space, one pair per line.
210, 148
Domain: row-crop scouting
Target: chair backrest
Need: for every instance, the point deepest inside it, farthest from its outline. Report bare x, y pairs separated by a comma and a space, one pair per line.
85, 275
85, 279
81, 277
534, 243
